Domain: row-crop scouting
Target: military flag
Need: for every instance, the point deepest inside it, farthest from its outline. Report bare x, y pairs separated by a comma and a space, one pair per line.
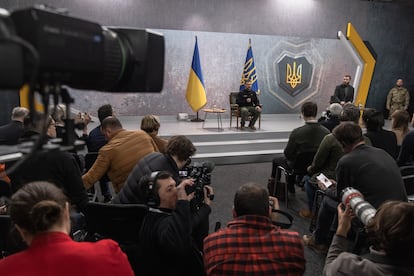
249, 71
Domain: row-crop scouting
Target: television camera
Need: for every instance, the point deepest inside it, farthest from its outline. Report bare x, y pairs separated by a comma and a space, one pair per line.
201, 173
50, 51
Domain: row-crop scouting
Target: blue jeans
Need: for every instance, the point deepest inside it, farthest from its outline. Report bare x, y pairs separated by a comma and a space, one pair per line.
327, 221
310, 190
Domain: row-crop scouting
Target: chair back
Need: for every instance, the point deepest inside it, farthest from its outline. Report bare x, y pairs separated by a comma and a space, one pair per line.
302, 162
120, 222
407, 173
5, 226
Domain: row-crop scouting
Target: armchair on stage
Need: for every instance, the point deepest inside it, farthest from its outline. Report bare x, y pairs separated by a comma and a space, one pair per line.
235, 110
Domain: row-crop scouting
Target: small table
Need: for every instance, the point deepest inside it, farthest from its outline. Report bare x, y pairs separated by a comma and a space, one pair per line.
217, 111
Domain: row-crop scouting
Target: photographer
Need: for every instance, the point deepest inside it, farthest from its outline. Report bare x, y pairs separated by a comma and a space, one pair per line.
166, 236
251, 244
392, 233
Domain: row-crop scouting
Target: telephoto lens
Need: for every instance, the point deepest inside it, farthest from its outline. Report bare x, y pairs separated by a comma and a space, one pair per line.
361, 208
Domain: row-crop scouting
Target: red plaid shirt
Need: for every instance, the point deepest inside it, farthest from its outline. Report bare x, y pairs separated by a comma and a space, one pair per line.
251, 245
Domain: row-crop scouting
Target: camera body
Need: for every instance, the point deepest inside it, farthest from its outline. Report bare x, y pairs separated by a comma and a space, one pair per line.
201, 173
361, 208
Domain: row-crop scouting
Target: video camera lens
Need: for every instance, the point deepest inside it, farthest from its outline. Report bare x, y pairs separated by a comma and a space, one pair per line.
361, 208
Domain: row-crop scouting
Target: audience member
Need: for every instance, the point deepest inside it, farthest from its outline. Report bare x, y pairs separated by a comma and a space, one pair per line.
118, 157
326, 158
251, 244
301, 139
406, 156
95, 141
58, 167
81, 121
370, 170
398, 98
249, 104
344, 93
178, 153
11, 132
392, 235
332, 116
151, 124
399, 125
41, 213
380, 138
166, 232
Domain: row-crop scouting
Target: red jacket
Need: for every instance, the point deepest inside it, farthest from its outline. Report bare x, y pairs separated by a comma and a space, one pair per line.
55, 253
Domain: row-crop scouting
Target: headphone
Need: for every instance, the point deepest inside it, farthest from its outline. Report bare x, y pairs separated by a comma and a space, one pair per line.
153, 200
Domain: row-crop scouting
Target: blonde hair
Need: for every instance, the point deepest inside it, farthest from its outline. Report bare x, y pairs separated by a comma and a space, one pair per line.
150, 123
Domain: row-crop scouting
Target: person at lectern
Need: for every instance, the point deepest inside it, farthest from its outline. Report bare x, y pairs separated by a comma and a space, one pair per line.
249, 104
344, 93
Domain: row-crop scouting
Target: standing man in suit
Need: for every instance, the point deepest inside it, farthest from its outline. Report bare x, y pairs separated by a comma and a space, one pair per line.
344, 93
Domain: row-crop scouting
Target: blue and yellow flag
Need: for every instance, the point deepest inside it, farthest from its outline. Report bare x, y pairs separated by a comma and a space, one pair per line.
249, 71
196, 94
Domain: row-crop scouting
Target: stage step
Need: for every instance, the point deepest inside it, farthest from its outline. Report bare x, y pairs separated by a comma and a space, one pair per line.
239, 147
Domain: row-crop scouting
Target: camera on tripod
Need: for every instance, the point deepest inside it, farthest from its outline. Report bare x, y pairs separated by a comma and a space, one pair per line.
361, 208
201, 173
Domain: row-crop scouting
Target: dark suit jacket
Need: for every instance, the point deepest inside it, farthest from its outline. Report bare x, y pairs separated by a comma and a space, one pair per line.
343, 93
373, 172
11, 133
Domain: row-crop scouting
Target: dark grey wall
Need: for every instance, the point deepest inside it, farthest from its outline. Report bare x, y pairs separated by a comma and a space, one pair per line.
387, 26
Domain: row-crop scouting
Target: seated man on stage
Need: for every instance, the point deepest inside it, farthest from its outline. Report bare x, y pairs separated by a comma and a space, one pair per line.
344, 93
248, 103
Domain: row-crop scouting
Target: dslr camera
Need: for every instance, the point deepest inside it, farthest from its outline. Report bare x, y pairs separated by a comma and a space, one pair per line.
201, 173
361, 208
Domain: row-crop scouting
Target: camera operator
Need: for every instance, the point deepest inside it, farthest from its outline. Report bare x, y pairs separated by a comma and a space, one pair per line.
179, 150
391, 253
166, 233
251, 238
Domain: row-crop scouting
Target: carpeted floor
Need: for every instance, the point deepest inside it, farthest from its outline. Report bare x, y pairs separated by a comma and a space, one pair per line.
225, 181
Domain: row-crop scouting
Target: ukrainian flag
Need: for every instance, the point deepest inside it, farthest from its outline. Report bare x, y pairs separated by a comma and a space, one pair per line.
249, 71
196, 94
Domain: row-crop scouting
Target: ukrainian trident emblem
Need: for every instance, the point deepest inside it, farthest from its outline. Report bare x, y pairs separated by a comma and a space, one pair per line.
294, 74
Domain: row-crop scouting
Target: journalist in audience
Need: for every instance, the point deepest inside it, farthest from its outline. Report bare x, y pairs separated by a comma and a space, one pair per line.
119, 156
10, 133
251, 244
166, 232
40, 211
380, 138
151, 124
392, 236
400, 120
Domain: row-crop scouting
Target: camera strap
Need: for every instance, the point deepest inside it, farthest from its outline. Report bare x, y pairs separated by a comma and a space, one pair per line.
283, 225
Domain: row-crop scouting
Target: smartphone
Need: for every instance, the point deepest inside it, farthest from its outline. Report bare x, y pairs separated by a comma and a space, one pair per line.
322, 178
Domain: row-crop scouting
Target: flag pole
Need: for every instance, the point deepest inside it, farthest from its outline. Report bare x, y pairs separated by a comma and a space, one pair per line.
197, 119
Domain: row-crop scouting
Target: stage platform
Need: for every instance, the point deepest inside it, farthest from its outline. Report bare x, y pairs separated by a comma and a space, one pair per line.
228, 145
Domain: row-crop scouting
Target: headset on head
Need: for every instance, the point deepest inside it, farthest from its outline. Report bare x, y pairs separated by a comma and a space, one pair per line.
153, 200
